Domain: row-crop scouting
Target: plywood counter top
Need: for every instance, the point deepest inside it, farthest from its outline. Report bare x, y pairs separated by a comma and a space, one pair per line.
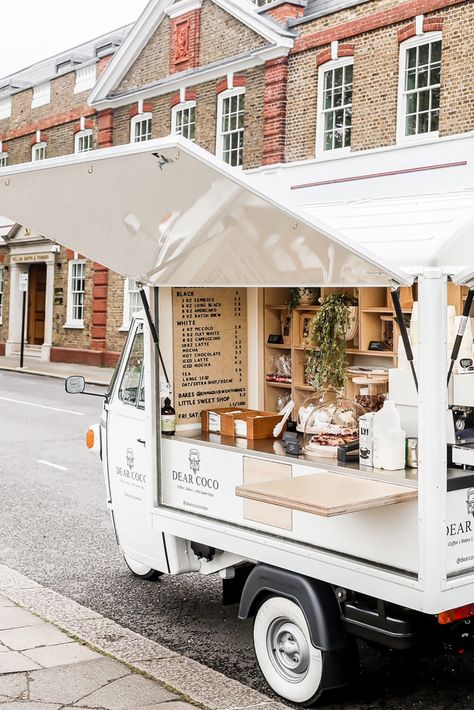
327, 494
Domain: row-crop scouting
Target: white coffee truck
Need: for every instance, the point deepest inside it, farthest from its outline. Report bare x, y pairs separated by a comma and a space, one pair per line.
326, 551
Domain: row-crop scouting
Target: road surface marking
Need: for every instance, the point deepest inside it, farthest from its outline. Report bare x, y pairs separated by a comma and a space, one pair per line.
53, 465
41, 406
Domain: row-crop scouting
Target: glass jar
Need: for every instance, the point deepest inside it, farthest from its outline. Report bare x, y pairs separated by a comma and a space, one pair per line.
332, 422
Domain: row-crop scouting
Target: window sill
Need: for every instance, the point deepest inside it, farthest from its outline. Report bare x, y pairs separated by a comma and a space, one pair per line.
73, 326
323, 155
418, 139
124, 328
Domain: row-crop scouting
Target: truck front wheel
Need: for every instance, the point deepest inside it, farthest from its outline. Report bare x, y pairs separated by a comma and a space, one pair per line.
138, 569
292, 666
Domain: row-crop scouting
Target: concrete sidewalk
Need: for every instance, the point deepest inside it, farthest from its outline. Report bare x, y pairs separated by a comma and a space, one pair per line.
42, 668
34, 366
44, 665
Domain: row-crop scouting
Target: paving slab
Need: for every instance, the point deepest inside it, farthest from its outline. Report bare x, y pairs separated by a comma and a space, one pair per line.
4, 648
50, 656
14, 662
14, 686
173, 705
69, 684
29, 706
202, 684
126, 694
12, 617
33, 637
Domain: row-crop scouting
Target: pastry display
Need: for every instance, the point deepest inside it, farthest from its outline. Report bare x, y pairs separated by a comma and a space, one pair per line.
332, 422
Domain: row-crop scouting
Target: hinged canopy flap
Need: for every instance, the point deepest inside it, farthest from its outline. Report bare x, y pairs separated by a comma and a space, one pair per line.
464, 277
169, 213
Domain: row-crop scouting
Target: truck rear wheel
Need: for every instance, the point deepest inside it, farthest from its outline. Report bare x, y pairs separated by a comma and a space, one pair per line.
138, 569
292, 666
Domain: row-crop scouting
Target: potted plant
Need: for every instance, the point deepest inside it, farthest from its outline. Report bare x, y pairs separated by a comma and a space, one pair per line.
302, 296
326, 363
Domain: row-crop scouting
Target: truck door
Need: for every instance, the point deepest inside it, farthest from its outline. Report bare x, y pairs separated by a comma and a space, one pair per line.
129, 462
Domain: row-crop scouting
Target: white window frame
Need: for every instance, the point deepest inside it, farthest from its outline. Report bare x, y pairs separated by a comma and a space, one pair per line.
416, 41
5, 106
139, 118
86, 78
41, 95
127, 314
227, 94
320, 150
71, 321
36, 148
3, 159
183, 106
88, 132
2, 282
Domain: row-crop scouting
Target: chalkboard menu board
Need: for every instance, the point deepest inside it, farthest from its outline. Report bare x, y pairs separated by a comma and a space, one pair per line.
210, 350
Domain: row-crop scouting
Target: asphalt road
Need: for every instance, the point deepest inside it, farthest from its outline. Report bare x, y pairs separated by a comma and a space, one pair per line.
54, 528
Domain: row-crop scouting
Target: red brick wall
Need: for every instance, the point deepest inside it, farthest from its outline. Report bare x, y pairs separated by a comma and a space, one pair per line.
286, 11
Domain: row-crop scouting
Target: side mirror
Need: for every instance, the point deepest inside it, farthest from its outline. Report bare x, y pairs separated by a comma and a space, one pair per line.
75, 384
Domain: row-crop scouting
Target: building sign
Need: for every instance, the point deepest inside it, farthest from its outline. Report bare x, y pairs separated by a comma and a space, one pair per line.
27, 258
23, 282
210, 343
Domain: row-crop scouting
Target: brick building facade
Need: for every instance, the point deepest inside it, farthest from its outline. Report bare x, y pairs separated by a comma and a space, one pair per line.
259, 83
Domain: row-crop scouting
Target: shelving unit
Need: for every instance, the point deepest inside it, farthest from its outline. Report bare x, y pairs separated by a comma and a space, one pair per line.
376, 321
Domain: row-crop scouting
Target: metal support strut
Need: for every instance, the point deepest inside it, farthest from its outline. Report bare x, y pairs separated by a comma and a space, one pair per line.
460, 333
404, 332
151, 325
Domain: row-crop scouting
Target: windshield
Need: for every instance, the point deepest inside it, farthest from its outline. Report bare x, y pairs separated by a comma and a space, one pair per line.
111, 386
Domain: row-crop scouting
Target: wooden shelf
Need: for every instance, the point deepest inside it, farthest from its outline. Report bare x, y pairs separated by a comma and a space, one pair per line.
284, 307
375, 353
384, 309
373, 313
282, 385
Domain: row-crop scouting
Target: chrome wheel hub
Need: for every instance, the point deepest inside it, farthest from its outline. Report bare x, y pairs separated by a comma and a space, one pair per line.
288, 649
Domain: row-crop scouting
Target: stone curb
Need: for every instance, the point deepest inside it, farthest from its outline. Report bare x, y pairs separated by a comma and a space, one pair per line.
186, 677
56, 376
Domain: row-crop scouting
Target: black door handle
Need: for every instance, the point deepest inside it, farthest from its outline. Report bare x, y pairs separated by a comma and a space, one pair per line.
141, 441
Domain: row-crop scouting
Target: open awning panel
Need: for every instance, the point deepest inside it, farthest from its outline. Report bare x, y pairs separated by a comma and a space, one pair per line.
169, 213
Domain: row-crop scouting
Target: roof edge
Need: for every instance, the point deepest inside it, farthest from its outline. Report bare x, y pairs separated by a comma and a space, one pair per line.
151, 18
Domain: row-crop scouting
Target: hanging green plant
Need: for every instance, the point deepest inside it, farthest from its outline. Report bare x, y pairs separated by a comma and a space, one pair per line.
326, 364
293, 300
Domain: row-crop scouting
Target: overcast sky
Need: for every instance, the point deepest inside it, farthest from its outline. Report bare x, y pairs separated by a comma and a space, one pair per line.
36, 29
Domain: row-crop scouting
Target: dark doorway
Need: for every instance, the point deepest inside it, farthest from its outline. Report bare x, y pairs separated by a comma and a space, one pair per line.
36, 304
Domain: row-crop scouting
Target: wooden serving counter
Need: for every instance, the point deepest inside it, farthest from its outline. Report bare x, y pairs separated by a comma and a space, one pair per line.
274, 449
327, 488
